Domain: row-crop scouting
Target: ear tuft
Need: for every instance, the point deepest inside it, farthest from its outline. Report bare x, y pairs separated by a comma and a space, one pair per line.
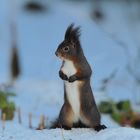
72, 33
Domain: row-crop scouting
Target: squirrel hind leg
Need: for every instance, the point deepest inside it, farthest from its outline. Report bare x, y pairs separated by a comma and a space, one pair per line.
100, 127
57, 124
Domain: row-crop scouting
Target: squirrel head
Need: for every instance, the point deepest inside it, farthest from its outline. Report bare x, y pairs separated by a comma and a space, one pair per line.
70, 48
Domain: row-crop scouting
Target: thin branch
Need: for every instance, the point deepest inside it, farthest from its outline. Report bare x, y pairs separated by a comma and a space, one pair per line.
3, 120
19, 115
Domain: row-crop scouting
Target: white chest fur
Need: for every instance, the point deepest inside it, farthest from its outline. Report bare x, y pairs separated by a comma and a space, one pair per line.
68, 68
72, 89
73, 96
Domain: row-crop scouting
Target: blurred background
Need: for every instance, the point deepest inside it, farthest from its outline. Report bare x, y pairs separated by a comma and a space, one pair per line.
31, 30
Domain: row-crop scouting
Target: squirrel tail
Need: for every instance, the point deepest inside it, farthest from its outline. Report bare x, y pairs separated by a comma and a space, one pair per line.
57, 124
54, 124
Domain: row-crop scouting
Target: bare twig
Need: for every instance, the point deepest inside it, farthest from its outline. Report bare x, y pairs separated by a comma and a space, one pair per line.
14, 61
3, 120
62, 132
19, 115
106, 81
15, 68
42, 123
30, 120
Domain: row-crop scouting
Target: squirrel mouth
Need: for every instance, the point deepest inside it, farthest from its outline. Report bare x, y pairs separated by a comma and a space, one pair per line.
58, 55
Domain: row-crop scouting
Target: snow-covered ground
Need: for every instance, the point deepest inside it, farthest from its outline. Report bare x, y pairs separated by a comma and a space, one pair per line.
39, 89
16, 132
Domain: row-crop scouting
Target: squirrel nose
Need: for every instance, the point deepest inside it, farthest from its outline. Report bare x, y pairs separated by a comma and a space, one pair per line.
56, 53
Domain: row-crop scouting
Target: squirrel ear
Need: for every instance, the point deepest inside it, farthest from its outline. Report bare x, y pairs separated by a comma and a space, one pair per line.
68, 31
72, 34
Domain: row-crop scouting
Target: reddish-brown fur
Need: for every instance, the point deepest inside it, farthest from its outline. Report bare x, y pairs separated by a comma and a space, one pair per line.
70, 50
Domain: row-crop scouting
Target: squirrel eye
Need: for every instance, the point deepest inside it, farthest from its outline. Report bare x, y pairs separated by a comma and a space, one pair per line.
66, 49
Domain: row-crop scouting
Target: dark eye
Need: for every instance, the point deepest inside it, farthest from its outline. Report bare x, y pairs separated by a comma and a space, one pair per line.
66, 49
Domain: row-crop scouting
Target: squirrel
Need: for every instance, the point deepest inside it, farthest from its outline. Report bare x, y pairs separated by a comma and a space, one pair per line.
79, 109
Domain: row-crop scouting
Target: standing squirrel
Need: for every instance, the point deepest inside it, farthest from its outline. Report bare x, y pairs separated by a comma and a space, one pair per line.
79, 108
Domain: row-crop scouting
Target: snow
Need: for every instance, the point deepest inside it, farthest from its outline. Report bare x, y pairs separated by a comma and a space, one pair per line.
39, 89
16, 132
48, 100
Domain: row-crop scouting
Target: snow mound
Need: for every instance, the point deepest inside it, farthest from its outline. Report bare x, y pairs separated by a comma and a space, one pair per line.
121, 133
18, 132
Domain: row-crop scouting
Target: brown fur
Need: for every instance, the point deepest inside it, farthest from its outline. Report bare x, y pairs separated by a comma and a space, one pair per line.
70, 49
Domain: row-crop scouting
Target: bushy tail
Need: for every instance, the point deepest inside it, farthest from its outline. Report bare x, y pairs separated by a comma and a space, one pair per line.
55, 124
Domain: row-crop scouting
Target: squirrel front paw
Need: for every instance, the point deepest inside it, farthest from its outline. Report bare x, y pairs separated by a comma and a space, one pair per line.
72, 78
63, 76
